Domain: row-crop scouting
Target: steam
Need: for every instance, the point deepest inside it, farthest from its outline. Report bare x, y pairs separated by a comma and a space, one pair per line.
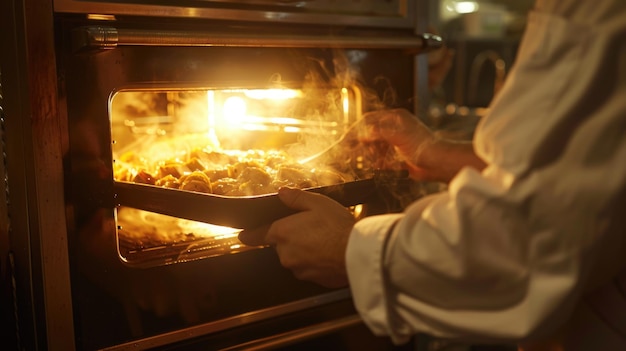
145, 122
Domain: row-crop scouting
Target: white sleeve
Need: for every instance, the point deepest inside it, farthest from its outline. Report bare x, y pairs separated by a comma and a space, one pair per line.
482, 261
507, 253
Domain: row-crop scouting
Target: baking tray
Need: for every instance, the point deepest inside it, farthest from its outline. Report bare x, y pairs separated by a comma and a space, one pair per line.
240, 212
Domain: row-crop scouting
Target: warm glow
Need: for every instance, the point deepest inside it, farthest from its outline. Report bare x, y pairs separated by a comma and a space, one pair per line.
254, 127
346, 105
292, 129
256, 109
275, 110
100, 17
465, 6
211, 118
235, 108
273, 94
450, 9
283, 120
357, 210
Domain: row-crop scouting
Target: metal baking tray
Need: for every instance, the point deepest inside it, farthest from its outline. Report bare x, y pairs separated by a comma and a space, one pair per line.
240, 212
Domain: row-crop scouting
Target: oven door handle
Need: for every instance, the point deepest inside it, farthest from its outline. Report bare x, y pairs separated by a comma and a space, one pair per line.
297, 335
102, 37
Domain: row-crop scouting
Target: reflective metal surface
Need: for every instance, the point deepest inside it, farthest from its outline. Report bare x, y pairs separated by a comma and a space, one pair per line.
248, 318
106, 37
369, 13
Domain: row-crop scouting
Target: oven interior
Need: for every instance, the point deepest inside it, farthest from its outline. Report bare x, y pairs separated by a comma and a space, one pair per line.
245, 140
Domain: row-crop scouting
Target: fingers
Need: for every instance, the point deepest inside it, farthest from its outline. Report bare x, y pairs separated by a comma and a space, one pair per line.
254, 237
391, 124
376, 124
301, 200
311, 242
410, 137
293, 198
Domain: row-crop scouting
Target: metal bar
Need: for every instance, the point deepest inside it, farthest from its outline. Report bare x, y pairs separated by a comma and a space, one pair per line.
232, 322
97, 37
240, 212
294, 336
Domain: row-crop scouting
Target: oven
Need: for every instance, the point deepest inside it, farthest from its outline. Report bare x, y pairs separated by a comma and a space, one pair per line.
139, 137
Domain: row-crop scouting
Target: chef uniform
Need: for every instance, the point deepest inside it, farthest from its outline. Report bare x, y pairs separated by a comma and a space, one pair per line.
533, 248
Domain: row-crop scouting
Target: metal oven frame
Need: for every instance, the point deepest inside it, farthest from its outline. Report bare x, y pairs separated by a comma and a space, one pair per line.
35, 265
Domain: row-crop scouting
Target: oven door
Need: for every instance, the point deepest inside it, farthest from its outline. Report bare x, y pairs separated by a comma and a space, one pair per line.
121, 303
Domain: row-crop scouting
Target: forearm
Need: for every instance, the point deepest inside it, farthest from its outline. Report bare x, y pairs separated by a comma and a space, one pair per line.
441, 159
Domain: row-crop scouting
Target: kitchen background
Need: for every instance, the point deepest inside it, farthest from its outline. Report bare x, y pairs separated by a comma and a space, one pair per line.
481, 39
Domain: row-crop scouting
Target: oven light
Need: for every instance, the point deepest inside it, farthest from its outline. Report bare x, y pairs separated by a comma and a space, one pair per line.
235, 108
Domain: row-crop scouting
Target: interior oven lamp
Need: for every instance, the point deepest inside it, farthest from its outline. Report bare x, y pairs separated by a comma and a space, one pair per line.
254, 110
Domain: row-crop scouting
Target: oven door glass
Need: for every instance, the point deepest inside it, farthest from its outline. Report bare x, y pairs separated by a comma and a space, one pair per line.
228, 146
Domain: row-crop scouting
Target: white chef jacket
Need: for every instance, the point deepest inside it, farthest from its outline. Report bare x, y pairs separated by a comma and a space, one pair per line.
534, 246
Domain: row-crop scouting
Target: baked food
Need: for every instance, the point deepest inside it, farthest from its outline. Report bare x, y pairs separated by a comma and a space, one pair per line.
224, 172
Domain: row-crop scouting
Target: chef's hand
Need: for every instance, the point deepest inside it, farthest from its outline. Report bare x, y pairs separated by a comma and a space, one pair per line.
427, 156
312, 242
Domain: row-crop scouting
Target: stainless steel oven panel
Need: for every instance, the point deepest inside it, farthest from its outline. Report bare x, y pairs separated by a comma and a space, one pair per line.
250, 318
368, 13
117, 304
